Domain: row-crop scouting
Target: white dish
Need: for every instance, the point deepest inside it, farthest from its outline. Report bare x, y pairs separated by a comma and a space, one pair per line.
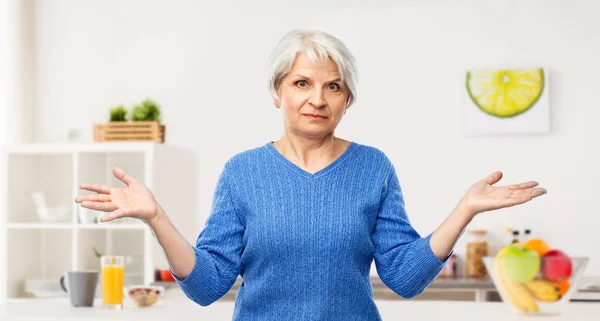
44, 288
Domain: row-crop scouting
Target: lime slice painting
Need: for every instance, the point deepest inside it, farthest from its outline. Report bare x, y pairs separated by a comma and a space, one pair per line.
506, 101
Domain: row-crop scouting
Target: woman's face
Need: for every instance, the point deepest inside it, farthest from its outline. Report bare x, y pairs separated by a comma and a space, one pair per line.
312, 89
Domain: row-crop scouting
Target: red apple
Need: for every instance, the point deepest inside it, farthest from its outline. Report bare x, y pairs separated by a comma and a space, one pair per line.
556, 266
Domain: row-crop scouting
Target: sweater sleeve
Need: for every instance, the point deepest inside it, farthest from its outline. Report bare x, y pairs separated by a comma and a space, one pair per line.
404, 260
218, 249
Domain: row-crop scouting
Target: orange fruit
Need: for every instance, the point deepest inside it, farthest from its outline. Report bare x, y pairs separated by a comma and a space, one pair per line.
538, 245
563, 287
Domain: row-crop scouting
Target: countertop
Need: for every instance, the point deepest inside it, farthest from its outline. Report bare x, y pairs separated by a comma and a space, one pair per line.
172, 307
480, 286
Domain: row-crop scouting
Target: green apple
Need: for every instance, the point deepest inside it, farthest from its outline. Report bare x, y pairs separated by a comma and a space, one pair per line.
521, 264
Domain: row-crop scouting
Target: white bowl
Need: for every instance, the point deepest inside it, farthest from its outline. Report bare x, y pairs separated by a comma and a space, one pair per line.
53, 215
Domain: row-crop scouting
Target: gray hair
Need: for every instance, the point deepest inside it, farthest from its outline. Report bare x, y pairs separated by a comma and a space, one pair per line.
317, 45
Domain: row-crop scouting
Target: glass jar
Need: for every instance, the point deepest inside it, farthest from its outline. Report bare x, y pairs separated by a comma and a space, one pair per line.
477, 249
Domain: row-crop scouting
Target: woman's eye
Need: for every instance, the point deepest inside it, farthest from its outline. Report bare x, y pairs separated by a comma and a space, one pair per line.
301, 83
334, 87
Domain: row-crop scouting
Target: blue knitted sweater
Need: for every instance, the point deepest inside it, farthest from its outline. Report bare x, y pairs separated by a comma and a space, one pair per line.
304, 243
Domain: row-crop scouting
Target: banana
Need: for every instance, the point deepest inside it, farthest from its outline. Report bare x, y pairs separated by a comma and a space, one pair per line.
543, 290
516, 293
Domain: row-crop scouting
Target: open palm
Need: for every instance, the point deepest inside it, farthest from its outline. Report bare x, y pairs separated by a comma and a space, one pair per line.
482, 196
135, 200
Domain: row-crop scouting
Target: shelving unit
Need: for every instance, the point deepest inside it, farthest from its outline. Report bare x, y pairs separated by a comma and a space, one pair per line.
42, 250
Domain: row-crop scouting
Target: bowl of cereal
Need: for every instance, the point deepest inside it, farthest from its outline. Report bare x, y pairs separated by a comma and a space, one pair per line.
144, 296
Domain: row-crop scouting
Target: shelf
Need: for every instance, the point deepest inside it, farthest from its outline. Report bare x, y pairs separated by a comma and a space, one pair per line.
59, 226
36, 254
18, 300
110, 226
49, 174
128, 243
38, 249
39, 226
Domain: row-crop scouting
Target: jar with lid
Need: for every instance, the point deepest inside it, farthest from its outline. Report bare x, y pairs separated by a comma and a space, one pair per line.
477, 249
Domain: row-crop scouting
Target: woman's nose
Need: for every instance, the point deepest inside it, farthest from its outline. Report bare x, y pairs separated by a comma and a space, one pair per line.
316, 98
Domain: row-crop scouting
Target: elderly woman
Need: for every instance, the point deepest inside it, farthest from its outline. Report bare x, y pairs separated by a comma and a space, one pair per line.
302, 218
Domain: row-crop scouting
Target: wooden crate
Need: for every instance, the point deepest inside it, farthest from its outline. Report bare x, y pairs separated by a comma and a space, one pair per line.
129, 131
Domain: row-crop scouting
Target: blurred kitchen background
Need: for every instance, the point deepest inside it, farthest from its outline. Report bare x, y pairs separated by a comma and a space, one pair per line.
65, 64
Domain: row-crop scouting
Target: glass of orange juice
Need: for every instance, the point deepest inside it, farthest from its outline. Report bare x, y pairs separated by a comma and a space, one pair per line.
113, 274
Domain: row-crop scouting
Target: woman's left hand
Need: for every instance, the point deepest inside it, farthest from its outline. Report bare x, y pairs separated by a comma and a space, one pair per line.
482, 196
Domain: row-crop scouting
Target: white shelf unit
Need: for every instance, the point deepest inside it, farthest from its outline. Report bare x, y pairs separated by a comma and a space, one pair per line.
39, 250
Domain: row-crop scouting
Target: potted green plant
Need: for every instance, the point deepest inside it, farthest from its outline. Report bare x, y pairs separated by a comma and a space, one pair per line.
147, 110
118, 113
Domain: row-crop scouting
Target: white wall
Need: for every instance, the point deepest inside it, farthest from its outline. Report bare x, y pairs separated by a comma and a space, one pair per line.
17, 57
16, 84
3, 76
3, 125
20, 70
204, 62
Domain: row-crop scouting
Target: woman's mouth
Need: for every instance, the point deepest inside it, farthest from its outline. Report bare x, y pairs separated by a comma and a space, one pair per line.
314, 117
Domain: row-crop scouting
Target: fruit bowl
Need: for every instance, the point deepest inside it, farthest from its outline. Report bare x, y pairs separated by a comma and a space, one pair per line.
144, 296
535, 284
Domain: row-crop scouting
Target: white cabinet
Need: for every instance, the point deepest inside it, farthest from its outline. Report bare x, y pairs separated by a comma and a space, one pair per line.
38, 249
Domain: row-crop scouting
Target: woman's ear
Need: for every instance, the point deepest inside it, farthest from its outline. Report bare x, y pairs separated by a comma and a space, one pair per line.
276, 102
347, 103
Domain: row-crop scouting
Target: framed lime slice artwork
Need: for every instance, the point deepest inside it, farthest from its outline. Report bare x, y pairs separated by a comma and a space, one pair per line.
506, 101
505, 93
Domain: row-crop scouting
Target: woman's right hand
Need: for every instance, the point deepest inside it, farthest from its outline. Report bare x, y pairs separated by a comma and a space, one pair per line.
135, 200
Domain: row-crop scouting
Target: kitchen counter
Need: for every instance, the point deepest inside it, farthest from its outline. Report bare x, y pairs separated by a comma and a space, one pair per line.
481, 289
171, 308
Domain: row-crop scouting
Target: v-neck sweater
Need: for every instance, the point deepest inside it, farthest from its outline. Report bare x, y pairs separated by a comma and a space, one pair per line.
303, 243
